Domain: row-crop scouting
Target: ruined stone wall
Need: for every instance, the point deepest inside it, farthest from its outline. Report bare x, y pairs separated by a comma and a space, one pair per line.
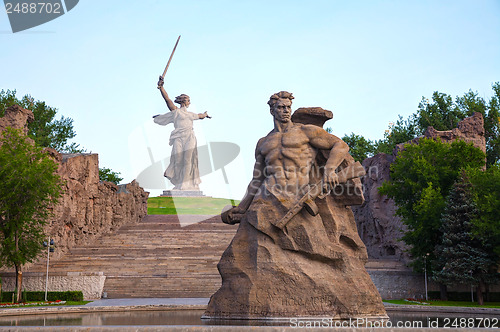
16, 117
88, 207
377, 224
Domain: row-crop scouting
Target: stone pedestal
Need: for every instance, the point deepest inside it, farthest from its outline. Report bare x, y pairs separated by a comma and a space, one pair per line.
314, 268
183, 193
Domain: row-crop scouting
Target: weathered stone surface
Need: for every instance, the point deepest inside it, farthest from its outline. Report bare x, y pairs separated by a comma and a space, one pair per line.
470, 130
316, 270
313, 264
311, 115
91, 284
88, 207
16, 117
378, 226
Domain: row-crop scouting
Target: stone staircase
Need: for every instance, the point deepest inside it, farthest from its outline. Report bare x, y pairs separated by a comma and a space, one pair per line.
153, 258
158, 258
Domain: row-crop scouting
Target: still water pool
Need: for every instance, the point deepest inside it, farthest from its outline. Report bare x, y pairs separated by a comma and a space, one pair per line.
193, 317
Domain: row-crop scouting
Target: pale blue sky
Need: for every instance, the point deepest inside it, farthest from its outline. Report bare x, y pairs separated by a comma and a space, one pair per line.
366, 61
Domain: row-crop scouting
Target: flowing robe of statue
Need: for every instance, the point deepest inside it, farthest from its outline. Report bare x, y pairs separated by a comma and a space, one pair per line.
183, 169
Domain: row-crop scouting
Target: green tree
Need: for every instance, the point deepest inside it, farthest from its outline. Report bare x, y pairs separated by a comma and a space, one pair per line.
401, 132
471, 102
462, 258
441, 113
444, 114
45, 130
492, 127
105, 174
360, 148
486, 195
421, 178
29, 188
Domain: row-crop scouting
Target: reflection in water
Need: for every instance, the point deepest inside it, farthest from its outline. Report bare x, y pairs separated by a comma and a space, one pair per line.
172, 317
193, 317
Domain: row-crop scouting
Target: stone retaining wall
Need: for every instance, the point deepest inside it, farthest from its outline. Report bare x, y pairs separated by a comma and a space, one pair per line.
395, 285
91, 284
399, 284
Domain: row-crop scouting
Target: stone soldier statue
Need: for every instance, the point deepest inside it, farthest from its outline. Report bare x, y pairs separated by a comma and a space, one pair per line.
183, 168
297, 252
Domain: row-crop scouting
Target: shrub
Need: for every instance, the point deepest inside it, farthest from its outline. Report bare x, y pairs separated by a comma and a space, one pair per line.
76, 296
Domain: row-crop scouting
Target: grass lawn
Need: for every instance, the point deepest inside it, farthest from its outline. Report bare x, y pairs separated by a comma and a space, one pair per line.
188, 205
446, 303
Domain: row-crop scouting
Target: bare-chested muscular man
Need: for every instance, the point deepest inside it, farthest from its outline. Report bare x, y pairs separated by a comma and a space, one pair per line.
312, 265
285, 156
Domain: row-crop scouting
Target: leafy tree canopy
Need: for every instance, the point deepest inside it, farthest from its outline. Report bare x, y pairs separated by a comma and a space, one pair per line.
105, 174
442, 113
400, 132
486, 196
421, 178
45, 130
29, 188
359, 147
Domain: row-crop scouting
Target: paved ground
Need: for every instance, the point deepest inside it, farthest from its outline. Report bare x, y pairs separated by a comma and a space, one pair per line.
148, 301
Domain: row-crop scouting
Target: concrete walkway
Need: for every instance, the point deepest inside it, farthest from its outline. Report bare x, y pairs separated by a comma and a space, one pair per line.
149, 302
113, 305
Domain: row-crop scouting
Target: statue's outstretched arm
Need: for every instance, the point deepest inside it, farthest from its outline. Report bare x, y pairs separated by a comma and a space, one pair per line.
170, 104
204, 115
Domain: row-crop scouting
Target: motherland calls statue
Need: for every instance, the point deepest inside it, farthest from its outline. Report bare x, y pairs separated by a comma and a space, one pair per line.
183, 169
297, 252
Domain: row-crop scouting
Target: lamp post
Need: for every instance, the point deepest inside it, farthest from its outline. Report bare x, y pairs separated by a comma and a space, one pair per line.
471, 287
50, 248
425, 275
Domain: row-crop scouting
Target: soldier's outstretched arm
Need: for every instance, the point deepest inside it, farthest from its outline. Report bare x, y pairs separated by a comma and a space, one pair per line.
170, 104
